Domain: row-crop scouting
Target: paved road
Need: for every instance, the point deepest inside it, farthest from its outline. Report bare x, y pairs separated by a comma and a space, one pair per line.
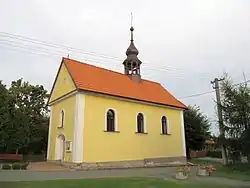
52, 175
164, 173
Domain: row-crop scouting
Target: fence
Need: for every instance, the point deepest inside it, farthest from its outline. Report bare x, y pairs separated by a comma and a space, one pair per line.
17, 157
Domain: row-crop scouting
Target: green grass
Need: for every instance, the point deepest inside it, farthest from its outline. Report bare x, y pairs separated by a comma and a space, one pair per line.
109, 183
237, 171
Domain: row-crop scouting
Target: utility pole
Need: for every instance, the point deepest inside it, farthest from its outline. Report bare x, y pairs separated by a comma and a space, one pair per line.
221, 126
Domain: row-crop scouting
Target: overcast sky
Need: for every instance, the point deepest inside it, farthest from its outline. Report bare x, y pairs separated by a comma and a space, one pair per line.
183, 44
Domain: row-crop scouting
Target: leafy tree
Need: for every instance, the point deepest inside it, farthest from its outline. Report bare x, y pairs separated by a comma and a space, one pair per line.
30, 101
5, 119
23, 117
236, 116
196, 129
12, 133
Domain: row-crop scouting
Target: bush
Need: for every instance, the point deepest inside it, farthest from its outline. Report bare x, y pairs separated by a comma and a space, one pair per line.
6, 166
214, 154
24, 166
16, 166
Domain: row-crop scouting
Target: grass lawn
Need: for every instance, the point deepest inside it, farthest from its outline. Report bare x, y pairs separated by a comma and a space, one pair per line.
238, 171
109, 183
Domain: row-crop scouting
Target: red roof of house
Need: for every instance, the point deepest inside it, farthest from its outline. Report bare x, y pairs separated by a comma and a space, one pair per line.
96, 79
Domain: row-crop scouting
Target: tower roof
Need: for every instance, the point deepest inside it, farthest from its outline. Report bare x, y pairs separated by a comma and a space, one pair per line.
132, 50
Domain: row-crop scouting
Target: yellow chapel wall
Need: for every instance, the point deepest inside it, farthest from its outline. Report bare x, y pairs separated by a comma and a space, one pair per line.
100, 146
68, 105
63, 85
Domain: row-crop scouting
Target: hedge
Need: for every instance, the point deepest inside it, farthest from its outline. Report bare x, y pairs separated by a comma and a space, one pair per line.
6, 166
14, 166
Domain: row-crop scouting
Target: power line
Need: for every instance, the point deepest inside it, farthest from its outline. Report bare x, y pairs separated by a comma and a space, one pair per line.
48, 53
46, 47
82, 51
208, 92
60, 53
196, 95
41, 42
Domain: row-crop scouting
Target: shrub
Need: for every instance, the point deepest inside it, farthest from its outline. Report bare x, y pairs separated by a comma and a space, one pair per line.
16, 166
6, 166
24, 166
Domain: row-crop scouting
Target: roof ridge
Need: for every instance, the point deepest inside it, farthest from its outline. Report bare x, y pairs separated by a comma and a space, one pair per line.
104, 69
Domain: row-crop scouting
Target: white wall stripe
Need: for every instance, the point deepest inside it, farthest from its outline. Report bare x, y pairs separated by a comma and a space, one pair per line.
77, 154
49, 136
183, 133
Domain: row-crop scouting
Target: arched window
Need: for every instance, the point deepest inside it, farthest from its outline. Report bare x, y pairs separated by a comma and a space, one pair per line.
62, 115
140, 123
110, 120
164, 126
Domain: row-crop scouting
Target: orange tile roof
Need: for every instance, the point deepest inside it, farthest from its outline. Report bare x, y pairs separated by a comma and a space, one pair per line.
96, 79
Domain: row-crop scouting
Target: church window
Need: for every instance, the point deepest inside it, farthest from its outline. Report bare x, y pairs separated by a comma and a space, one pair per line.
164, 126
62, 116
110, 120
140, 123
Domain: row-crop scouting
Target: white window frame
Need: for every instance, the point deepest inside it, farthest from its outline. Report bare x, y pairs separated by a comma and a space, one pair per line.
116, 121
70, 146
144, 122
60, 119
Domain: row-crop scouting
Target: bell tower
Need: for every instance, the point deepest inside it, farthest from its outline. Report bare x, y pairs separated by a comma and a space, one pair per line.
132, 63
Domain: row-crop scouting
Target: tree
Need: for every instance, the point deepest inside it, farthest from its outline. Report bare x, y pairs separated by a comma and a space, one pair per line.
12, 133
5, 120
196, 129
24, 118
30, 101
236, 116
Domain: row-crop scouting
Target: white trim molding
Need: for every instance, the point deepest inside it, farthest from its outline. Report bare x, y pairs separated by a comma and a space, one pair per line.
71, 93
116, 119
49, 135
168, 126
77, 155
144, 122
183, 133
66, 145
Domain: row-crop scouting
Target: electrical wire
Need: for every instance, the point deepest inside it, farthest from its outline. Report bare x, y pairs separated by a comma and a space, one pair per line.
208, 92
48, 49
82, 51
